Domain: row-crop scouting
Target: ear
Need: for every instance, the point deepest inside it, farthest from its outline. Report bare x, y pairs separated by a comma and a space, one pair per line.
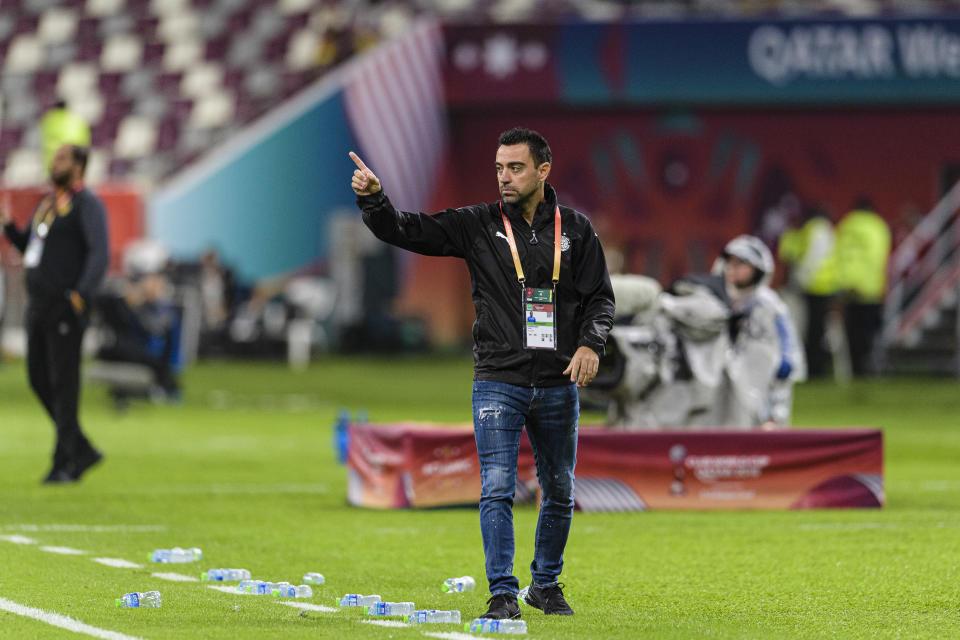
543, 171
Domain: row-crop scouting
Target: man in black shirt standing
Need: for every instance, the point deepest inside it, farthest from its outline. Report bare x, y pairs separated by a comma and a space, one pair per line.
65, 256
544, 307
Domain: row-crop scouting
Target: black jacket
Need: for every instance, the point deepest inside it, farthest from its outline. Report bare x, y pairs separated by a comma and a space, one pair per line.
75, 252
476, 233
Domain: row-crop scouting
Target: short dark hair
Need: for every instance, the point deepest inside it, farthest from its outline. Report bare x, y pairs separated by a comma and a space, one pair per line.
537, 144
80, 155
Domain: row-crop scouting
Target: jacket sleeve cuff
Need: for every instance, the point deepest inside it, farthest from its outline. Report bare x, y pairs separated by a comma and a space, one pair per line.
598, 347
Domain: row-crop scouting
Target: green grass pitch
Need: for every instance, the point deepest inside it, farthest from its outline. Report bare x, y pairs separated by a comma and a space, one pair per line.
245, 471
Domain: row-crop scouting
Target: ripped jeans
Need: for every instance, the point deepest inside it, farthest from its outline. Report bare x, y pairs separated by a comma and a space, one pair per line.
550, 414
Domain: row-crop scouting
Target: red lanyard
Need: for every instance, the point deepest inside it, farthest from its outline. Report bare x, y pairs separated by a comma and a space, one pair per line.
513, 245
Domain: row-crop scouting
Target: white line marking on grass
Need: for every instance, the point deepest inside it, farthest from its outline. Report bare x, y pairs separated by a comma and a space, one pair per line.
120, 563
88, 528
451, 635
217, 587
63, 622
67, 551
18, 539
175, 577
849, 526
310, 606
386, 623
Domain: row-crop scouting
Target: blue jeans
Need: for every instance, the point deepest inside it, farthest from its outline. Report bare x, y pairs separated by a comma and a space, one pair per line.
550, 414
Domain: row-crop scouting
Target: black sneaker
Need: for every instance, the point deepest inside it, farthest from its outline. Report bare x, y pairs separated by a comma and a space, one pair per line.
58, 476
85, 461
550, 600
503, 606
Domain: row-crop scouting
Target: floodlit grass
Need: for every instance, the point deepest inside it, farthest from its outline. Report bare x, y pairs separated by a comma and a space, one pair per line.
245, 470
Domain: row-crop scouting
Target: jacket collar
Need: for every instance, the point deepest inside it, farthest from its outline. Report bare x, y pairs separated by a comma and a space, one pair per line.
544, 212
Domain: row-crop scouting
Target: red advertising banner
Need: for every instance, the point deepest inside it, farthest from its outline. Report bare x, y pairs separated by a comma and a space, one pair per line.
421, 465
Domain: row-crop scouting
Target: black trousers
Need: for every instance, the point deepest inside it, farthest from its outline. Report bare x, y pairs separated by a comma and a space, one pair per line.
819, 359
54, 338
863, 322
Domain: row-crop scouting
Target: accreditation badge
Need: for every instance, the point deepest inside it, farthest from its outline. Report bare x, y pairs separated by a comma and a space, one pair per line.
31, 257
539, 325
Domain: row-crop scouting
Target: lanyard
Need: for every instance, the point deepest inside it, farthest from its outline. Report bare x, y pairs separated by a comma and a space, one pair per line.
513, 245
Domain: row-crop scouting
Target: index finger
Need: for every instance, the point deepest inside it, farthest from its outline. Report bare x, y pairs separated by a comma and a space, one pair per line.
356, 160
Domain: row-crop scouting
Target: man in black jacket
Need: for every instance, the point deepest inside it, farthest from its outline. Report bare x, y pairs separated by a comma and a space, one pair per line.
65, 256
544, 306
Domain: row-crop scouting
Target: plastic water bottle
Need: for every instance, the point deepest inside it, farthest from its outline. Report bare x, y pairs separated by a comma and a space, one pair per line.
225, 575
522, 596
357, 600
486, 625
341, 435
313, 578
391, 609
176, 555
259, 587
139, 600
421, 616
290, 591
456, 585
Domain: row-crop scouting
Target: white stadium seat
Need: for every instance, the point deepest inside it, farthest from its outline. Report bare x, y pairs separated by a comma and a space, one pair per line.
24, 168
212, 111
202, 80
121, 52
77, 79
57, 25
180, 55
24, 55
103, 8
136, 137
302, 49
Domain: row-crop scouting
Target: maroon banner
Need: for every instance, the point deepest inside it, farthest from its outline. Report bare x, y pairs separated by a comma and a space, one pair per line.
421, 465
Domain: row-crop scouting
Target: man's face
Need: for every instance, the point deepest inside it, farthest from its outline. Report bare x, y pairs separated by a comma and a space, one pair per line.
62, 166
738, 273
517, 178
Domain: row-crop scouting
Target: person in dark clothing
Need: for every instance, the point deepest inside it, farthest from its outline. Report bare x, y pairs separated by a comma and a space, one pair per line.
65, 256
528, 257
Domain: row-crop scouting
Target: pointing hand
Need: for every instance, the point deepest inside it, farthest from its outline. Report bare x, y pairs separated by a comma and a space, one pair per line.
364, 181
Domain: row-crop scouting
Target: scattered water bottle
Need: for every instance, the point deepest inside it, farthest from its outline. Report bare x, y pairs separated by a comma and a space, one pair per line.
456, 585
522, 596
138, 600
225, 575
259, 587
176, 555
313, 578
357, 600
486, 625
341, 435
432, 615
391, 609
290, 591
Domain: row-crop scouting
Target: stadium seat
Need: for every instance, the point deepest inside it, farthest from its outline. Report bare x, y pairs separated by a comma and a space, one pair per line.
101, 8
121, 53
97, 166
136, 137
181, 54
201, 80
89, 106
302, 49
24, 55
57, 25
24, 168
178, 26
214, 110
77, 78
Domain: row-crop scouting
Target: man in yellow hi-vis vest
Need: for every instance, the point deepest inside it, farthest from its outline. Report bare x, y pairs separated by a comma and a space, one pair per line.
809, 251
60, 126
862, 249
